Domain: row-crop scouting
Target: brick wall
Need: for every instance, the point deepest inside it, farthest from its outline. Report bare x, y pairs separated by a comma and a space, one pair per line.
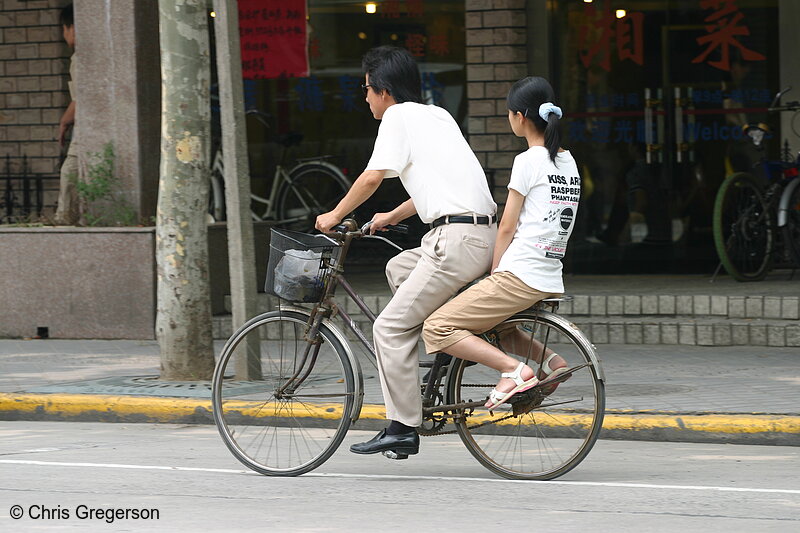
496, 58
34, 65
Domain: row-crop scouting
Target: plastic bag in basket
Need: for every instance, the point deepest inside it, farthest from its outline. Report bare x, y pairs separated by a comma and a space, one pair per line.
297, 275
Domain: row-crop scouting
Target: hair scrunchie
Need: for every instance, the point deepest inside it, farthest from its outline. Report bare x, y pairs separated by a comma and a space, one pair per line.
549, 107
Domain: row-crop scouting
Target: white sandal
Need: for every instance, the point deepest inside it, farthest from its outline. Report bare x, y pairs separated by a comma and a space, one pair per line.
552, 372
497, 397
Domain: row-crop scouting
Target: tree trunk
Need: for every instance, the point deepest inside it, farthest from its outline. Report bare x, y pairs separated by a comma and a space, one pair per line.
183, 319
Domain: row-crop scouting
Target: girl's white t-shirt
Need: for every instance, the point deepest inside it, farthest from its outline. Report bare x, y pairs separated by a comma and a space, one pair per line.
423, 145
552, 192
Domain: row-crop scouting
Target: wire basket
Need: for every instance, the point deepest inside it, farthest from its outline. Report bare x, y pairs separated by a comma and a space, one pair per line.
299, 266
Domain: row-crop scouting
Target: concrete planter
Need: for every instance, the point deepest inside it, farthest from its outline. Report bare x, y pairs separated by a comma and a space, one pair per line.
94, 283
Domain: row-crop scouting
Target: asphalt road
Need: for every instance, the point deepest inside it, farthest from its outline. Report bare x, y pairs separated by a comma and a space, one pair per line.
59, 473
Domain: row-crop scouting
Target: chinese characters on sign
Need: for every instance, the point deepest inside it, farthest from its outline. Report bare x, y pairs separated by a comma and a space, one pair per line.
273, 38
724, 26
601, 27
602, 34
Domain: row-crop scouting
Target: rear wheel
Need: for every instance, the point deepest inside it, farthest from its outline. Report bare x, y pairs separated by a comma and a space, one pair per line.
545, 433
281, 404
311, 189
791, 231
743, 232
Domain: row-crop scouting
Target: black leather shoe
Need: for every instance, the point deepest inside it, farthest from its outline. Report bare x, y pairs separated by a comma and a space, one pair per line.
402, 445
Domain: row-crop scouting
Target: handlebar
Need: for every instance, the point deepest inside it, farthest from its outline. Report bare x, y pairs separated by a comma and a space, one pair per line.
349, 228
791, 106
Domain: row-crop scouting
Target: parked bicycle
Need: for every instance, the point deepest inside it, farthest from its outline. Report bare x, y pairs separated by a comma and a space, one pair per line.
288, 384
296, 196
749, 213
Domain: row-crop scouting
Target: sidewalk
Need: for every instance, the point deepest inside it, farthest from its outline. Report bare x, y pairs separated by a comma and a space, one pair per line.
733, 394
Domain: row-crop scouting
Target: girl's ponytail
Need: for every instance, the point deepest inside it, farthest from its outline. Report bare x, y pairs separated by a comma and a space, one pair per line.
533, 97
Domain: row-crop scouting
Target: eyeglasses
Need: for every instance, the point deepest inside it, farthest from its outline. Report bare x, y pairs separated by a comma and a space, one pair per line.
365, 88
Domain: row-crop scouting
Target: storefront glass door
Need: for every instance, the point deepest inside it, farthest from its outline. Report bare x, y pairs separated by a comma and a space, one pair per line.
655, 94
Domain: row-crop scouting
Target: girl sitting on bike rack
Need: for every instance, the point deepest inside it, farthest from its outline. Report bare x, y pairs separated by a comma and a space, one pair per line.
543, 196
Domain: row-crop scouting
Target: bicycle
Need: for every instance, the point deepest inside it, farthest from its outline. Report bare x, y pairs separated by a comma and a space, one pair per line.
288, 384
748, 215
310, 188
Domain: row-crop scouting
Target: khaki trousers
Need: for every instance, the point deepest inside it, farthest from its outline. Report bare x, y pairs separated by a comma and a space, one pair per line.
422, 279
68, 211
478, 309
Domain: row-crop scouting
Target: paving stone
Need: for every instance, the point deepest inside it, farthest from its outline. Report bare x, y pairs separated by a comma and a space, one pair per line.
599, 333
754, 307
666, 305
740, 333
565, 308
702, 305
776, 336
722, 335
719, 305
705, 335
652, 334
772, 307
684, 305
758, 335
650, 305
669, 334
597, 305
580, 305
633, 333
736, 307
633, 305
616, 333
790, 308
793, 336
615, 305
686, 334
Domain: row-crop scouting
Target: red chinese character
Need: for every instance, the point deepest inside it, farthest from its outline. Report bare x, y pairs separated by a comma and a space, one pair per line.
415, 8
438, 45
723, 33
594, 38
390, 9
415, 43
630, 38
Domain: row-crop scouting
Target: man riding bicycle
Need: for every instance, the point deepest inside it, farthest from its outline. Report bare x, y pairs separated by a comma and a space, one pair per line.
423, 146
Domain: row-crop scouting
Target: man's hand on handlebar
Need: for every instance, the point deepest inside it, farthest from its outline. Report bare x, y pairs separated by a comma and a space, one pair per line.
380, 221
326, 221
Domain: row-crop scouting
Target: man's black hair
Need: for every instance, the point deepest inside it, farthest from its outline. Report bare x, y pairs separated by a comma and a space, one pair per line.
393, 69
67, 16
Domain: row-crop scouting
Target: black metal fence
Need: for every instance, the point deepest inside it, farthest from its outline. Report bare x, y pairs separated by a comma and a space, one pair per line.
23, 191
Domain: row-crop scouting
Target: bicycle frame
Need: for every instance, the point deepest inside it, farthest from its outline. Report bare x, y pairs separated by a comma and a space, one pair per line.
327, 308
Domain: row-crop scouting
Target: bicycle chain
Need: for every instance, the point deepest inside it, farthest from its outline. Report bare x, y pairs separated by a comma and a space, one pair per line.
448, 417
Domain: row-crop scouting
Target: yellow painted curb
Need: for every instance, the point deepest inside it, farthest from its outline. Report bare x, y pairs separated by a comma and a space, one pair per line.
74, 406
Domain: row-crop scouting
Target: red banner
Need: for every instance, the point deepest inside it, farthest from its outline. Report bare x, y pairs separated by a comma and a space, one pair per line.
273, 38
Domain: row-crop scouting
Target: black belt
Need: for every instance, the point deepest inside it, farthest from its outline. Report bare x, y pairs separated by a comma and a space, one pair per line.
463, 219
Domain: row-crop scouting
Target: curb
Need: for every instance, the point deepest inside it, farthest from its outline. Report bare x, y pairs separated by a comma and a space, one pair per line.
624, 425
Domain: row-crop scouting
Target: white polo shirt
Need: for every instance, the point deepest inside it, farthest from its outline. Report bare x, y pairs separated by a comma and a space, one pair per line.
423, 145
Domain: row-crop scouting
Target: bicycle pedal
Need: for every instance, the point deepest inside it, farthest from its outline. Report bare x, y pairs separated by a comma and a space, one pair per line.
391, 454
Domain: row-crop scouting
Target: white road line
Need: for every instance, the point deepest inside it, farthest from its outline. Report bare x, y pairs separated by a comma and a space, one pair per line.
411, 478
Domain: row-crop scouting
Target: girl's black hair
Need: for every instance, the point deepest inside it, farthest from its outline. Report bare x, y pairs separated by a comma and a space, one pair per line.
525, 97
67, 17
393, 69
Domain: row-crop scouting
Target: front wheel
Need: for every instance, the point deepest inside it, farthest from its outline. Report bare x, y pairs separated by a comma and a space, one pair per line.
546, 431
282, 404
311, 189
791, 230
743, 232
